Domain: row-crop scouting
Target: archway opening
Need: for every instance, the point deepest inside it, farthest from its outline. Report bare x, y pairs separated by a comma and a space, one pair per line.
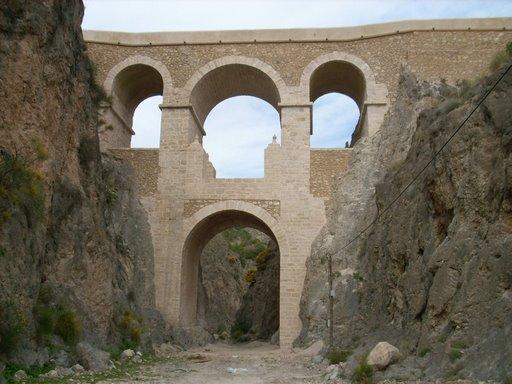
331, 86
335, 118
134, 88
230, 278
146, 123
233, 102
238, 130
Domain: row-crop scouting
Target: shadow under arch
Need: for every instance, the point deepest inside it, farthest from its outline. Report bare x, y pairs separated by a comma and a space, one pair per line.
199, 235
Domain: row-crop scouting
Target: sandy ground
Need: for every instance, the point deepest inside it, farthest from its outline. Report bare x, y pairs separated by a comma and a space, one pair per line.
251, 363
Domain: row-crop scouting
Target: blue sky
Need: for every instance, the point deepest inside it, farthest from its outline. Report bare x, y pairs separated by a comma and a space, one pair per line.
239, 129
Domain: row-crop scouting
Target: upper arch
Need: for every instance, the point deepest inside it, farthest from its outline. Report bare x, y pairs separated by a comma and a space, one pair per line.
353, 63
108, 84
233, 76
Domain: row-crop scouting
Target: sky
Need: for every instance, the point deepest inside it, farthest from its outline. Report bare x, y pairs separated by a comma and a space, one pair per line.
238, 129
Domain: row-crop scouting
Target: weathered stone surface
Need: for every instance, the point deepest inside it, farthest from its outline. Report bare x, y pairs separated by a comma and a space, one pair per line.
91, 243
93, 359
382, 355
431, 273
221, 286
259, 312
188, 337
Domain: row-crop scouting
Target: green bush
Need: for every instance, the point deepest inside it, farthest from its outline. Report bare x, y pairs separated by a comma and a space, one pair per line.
337, 356
424, 351
13, 323
455, 354
501, 58
363, 373
67, 326
240, 330
21, 187
261, 259
250, 275
110, 196
130, 328
45, 318
88, 151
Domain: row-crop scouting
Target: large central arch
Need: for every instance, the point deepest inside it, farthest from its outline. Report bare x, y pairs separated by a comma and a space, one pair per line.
205, 224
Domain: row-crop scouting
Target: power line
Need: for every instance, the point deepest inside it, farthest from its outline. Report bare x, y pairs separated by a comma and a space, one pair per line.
380, 214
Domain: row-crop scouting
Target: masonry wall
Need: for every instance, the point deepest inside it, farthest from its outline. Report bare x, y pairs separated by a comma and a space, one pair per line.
178, 184
326, 165
431, 55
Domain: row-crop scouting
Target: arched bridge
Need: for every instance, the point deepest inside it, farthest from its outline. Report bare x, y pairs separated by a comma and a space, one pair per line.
290, 69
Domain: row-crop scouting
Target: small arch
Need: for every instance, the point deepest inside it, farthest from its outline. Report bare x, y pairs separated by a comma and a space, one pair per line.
231, 76
139, 60
129, 83
344, 74
201, 227
330, 61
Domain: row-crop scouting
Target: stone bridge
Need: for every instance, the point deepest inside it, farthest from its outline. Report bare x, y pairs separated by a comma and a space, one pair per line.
194, 71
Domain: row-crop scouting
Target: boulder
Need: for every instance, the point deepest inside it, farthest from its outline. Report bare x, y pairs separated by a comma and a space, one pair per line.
313, 349
137, 359
191, 336
77, 369
275, 338
64, 372
93, 359
166, 350
382, 355
332, 372
61, 359
20, 376
53, 374
127, 354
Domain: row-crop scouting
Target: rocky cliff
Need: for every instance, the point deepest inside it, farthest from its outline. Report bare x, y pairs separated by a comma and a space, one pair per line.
75, 247
433, 275
239, 285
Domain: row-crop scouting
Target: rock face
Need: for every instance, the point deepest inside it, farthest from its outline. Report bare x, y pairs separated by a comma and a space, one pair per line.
382, 355
79, 231
433, 274
225, 262
259, 313
221, 286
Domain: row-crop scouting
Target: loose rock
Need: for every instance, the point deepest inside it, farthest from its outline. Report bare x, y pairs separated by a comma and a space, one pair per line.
382, 355
77, 368
92, 358
20, 376
127, 354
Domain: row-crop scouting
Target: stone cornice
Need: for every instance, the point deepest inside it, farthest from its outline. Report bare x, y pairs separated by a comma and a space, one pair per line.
295, 35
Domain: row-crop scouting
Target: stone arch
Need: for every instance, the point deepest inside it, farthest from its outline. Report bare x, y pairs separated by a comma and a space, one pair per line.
329, 64
347, 74
108, 84
200, 228
128, 83
233, 76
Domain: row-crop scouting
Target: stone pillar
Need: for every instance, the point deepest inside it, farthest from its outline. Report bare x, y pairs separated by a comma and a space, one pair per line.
179, 128
301, 215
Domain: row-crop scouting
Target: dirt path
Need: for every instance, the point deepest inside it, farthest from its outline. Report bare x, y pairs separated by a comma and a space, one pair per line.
252, 363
